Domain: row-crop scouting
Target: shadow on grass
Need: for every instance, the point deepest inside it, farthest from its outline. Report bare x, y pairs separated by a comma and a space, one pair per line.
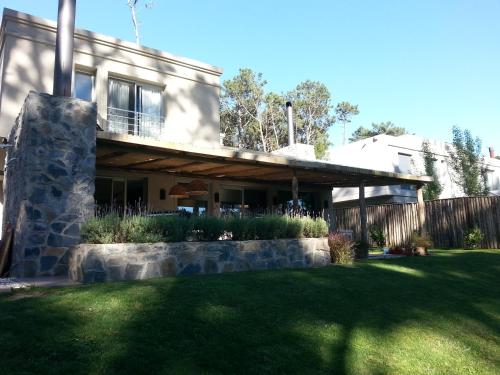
301, 321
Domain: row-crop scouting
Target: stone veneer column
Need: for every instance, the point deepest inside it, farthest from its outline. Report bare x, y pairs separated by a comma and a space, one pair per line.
49, 181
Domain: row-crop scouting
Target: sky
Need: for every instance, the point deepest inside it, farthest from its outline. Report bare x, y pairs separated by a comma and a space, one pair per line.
426, 65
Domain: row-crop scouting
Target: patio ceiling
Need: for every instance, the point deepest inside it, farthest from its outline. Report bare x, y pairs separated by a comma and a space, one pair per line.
135, 154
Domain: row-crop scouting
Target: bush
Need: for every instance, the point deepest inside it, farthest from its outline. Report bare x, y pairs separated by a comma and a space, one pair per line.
101, 230
377, 235
341, 248
418, 240
294, 228
142, 229
241, 229
473, 238
139, 229
208, 228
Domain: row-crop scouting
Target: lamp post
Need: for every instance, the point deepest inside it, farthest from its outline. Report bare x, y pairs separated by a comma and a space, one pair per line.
63, 66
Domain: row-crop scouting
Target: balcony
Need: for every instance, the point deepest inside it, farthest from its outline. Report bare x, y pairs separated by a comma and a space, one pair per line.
121, 121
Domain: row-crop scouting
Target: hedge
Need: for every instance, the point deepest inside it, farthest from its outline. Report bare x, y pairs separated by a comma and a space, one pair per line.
143, 229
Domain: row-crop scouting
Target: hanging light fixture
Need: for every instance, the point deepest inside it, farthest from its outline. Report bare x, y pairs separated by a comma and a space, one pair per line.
197, 187
178, 191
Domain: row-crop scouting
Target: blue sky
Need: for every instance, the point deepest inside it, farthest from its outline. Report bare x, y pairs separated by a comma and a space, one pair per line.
423, 64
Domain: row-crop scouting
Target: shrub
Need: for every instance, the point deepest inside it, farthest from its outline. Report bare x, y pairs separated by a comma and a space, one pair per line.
208, 228
136, 228
377, 235
473, 238
341, 248
418, 240
101, 230
139, 229
241, 229
294, 228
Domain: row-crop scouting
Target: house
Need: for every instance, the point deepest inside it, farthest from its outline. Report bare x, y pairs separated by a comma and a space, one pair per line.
157, 145
402, 154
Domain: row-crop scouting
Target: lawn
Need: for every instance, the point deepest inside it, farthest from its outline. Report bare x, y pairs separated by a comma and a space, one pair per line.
433, 315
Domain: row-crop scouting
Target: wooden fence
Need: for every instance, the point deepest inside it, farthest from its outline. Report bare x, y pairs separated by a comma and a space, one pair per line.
446, 220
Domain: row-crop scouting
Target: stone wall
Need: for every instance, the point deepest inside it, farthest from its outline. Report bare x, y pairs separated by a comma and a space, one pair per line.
49, 181
128, 261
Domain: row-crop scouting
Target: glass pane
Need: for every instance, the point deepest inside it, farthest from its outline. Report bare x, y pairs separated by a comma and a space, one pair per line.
102, 193
135, 194
84, 86
118, 195
151, 110
121, 103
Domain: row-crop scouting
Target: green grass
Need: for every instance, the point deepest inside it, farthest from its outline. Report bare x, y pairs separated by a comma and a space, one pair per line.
432, 315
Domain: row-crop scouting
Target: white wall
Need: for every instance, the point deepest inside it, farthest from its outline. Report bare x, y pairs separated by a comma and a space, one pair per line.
190, 88
382, 153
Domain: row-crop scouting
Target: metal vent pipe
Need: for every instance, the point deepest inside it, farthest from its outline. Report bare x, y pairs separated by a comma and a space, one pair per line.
63, 66
289, 116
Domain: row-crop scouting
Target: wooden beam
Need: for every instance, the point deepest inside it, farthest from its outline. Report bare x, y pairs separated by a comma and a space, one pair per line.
176, 167
145, 162
282, 184
421, 210
110, 156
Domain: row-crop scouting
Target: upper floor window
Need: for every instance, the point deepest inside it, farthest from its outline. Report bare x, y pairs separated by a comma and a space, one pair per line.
134, 109
84, 86
404, 163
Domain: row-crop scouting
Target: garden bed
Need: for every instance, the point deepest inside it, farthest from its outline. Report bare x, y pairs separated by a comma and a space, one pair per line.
134, 261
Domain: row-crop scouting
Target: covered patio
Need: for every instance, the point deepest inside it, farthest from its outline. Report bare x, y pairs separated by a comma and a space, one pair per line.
118, 153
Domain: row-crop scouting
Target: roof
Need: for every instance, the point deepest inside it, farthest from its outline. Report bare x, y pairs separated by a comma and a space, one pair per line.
132, 153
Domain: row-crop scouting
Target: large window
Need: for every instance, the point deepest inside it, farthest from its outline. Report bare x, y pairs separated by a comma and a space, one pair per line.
120, 194
83, 87
134, 109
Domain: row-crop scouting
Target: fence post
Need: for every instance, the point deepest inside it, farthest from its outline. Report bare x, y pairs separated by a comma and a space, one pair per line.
421, 210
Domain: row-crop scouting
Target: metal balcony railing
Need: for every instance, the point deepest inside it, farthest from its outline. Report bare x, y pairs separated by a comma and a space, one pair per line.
121, 121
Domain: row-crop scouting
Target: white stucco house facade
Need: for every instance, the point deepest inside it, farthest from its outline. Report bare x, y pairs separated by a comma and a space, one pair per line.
402, 154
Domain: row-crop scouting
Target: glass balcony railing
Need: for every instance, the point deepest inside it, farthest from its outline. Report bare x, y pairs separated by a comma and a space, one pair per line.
121, 121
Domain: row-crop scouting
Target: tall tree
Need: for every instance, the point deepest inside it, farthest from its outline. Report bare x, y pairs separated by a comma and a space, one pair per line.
132, 4
467, 163
243, 104
345, 111
433, 189
381, 128
312, 109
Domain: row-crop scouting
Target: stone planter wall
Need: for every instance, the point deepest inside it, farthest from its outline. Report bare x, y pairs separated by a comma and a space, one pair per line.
129, 261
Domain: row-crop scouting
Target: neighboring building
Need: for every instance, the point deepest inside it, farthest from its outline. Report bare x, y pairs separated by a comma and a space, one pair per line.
158, 122
401, 154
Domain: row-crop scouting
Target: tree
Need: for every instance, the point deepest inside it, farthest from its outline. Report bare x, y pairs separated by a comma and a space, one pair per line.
433, 189
382, 128
243, 102
344, 112
132, 4
467, 163
312, 114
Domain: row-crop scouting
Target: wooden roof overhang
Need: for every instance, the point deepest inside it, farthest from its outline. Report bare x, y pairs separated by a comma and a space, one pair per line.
135, 154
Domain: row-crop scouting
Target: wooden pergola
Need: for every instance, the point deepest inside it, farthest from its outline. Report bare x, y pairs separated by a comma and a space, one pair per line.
120, 152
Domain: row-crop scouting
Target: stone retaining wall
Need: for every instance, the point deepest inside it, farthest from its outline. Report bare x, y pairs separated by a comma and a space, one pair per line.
129, 261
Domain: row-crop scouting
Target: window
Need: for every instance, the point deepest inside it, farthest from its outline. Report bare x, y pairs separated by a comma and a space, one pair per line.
84, 86
404, 163
134, 109
120, 194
